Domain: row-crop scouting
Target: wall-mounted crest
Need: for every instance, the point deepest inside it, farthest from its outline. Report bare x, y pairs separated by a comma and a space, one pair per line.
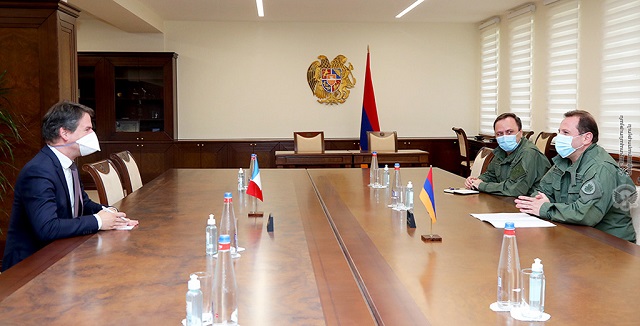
330, 81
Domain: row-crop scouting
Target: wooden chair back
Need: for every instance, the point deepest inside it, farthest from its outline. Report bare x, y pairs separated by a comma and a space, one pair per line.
481, 162
308, 141
543, 142
382, 141
107, 181
128, 170
463, 145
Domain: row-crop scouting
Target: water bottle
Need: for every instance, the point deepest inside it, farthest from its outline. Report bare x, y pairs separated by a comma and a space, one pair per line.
374, 178
509, 278
397, 186
212, 236
536, 290
408, 201
252, 166
242, 182
228, 223
194, 302
225, 303
385, 176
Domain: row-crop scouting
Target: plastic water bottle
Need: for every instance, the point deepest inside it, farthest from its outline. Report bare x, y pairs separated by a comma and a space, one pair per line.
194, 302
212, 236
228, 223
408, 201
397, 186
252, 166
536, 290
374, 177
385, 176
509, 278
242, 182
225, 302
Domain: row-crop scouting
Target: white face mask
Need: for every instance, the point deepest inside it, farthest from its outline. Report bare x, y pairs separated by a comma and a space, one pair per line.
88, 144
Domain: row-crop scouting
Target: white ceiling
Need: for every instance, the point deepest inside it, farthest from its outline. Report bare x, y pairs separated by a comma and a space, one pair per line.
148, 15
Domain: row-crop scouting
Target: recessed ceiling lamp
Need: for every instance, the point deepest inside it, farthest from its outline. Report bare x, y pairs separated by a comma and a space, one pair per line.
260, 8
415, 4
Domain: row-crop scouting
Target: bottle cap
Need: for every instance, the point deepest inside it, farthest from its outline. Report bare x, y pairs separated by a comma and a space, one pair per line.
224, 238
374, 153
386, 166
509, 228
227, 195
396, 166
194, 282
536, 266
211, 220
409, 185
240, 171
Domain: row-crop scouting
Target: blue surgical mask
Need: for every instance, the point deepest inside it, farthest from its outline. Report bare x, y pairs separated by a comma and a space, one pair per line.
507, 142
563, 145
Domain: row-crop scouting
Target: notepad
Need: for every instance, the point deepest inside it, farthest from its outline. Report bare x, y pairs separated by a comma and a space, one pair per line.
459, 191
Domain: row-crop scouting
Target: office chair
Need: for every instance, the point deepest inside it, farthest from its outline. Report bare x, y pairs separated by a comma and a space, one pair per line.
128, 170
543, 142
382, 141
107, 181
308, 141
463, 143
481, 162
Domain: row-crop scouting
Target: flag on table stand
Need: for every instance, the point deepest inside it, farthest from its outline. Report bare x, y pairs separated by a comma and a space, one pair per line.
255, 186
255, 190
369, 120
427, 197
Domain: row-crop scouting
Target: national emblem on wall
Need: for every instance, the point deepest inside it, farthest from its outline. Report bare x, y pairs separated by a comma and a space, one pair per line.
330, 81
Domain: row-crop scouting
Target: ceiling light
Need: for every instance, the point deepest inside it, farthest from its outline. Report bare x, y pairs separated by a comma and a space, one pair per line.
260, 8
415, 4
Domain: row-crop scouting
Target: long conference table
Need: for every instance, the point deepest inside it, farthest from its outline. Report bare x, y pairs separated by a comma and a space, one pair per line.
350, 158
338, 256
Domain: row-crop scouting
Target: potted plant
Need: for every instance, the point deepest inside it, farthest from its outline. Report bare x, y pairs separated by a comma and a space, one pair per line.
8, 136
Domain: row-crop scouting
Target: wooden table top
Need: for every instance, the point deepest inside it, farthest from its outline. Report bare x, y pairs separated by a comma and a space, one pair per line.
338, 256
293, 276
591, 276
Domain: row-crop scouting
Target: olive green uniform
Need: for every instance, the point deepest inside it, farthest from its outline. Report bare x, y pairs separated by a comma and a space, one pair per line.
590, 192
515, 174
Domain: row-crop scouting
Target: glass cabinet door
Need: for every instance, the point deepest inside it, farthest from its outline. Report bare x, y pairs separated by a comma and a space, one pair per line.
139, 94
87, 89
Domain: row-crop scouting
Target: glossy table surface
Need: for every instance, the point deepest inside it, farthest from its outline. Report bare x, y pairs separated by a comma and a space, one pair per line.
338, 256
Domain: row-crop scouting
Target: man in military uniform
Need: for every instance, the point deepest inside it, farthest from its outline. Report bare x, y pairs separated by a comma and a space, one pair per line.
585, 186
517, 165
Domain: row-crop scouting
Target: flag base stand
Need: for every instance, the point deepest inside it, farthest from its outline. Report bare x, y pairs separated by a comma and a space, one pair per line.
431, 238
256, 214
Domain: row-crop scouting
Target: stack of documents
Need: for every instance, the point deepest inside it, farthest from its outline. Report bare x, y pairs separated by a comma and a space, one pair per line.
521, 220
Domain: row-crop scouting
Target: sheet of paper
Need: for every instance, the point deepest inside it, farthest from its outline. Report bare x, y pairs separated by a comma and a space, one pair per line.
126, 227
459, 191
520, 220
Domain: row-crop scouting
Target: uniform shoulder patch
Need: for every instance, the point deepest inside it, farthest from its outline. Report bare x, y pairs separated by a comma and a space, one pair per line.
591, 190
517, 172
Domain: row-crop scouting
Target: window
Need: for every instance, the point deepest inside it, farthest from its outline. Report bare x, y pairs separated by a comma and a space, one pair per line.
562, 96
520, 68
490, 48
620, 75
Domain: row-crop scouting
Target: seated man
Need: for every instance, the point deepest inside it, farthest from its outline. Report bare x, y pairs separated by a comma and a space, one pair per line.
517, 164
46, 205
585, 185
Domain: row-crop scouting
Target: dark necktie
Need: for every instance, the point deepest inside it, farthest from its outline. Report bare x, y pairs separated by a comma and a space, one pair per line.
77, 193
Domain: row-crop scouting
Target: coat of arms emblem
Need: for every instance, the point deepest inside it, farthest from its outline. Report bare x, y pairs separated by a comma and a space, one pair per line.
330, 81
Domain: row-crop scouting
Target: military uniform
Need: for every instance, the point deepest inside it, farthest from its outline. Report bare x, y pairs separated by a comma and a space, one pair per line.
591, 191
515, 174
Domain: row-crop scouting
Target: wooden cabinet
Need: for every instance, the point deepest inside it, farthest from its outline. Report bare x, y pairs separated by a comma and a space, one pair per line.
240, 153
200, 154
133, 93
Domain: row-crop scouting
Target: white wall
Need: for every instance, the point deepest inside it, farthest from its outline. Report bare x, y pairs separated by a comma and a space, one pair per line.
248, 80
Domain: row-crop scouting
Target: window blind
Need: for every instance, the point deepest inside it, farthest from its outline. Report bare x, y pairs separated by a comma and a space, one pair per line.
562, 84
520, 68
620, 74
490, 49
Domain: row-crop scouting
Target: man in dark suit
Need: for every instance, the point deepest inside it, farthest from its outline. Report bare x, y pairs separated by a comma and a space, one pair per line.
46, 205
